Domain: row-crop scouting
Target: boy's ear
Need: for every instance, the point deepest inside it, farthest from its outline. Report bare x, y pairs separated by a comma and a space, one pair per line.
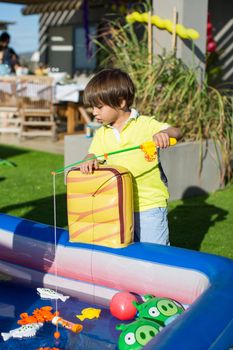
122, 104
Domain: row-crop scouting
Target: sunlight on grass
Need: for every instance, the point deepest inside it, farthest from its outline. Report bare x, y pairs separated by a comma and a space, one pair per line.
27, 189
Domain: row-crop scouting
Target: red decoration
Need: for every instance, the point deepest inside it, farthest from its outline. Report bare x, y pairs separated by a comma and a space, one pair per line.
209, 28
211, 44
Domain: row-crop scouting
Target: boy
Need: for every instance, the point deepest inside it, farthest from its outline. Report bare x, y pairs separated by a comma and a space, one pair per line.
111, 94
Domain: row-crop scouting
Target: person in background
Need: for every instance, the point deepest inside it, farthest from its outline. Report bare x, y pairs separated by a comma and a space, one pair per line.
7, 55
111, 93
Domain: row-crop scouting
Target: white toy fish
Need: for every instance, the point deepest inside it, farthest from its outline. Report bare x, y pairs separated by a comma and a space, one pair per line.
46, 293
26, 331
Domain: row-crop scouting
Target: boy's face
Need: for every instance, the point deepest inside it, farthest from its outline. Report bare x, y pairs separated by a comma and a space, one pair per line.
105, 114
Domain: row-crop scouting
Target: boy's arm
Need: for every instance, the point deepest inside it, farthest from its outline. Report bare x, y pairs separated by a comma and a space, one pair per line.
162, 138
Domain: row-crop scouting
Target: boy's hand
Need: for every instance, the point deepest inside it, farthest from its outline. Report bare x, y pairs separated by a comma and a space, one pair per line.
161, 139
89, 165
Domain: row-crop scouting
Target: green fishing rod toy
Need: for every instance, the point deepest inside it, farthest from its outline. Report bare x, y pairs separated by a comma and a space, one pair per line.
149, 148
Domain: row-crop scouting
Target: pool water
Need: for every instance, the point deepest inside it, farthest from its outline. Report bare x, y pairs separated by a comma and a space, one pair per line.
96, 334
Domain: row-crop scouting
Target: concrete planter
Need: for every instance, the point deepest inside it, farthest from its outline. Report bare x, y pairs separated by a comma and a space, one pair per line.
181, 165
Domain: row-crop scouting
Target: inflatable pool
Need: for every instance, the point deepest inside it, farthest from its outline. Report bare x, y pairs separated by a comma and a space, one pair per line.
95, 273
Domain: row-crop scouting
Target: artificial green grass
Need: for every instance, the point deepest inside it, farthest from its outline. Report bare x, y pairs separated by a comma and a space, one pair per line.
27, 189
200, 223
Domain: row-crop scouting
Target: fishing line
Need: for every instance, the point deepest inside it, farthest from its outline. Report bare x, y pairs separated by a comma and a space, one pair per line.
55, 240
93, 226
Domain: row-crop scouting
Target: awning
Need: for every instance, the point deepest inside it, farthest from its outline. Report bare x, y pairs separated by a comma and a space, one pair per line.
4, 25
26, 2
52, 6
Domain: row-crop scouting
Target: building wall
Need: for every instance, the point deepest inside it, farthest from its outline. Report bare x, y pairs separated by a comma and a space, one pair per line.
60, 48
192, 14
60, 24
221, 14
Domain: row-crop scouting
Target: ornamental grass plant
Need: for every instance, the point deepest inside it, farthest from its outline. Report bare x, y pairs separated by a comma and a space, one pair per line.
170, 91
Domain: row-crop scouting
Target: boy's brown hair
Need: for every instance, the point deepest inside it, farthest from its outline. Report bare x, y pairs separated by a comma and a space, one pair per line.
109, 87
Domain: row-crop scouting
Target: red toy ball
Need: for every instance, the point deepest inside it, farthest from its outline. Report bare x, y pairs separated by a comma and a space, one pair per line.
121, 306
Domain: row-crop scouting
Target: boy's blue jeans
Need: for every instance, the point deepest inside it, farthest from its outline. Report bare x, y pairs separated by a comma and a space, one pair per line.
151, 226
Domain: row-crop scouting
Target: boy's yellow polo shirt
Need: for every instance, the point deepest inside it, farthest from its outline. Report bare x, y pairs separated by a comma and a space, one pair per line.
149, 189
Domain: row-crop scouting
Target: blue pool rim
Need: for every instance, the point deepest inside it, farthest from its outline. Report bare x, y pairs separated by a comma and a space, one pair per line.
208, 324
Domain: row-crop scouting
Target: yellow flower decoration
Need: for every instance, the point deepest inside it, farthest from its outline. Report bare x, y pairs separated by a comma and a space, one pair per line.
181, 31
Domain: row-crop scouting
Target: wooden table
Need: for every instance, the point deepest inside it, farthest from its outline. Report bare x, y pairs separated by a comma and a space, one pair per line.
75, 113
66, 99
72, 109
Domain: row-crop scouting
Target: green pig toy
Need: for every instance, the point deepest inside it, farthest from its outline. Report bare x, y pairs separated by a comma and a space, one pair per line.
161, 310
137, 334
